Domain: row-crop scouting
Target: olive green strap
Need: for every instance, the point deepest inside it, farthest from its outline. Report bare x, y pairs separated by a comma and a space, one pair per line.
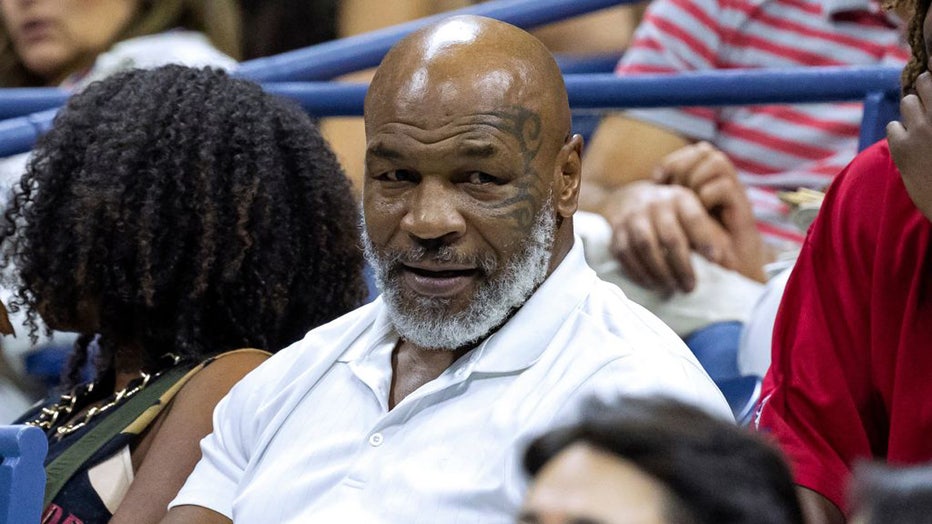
60, 470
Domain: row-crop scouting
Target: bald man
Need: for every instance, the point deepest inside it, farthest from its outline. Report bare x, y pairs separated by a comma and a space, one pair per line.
490, 327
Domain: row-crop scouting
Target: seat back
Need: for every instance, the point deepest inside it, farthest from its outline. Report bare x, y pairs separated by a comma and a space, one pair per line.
22, 474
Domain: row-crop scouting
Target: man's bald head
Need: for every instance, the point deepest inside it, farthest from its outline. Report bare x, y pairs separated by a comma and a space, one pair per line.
471, 62
472, 178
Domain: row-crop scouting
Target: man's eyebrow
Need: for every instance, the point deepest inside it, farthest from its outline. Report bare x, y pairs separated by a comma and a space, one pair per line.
483, 150
381, 150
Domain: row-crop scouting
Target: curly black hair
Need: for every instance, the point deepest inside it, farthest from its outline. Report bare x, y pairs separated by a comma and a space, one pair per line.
919, 60
181, 210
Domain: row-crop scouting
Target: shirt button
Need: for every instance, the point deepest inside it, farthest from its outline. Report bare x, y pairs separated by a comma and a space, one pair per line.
376, 439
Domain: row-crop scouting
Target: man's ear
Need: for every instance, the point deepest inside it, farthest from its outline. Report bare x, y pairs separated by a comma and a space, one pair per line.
568, 174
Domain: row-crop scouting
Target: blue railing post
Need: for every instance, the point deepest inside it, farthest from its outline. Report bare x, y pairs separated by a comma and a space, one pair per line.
596, 91
879, 109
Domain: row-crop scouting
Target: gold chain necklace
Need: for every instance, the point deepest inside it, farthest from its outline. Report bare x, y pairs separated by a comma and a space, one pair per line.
49, 417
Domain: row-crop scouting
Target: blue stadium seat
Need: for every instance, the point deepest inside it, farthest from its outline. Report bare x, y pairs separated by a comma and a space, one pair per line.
716, 348
742, 394
22, 474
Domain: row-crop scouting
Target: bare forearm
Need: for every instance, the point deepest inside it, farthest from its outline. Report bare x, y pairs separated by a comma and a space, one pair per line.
818, 509
194, 514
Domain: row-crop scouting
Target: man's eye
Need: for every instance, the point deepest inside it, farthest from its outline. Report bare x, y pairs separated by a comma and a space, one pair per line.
480, 178
398, 175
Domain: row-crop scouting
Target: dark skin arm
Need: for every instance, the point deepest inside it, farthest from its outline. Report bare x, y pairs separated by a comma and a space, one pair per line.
667, 199
192, 514
167, 454
817, 509
910, 141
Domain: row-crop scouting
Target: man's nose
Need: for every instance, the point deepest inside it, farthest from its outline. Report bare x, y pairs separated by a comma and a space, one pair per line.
433, 212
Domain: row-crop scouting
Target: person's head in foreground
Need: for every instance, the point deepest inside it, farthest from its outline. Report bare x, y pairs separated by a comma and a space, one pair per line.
44, 41
656, 461
472, 178
182, 211
882, 493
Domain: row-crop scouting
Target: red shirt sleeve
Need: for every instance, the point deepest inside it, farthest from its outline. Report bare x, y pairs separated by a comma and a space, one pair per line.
818, 399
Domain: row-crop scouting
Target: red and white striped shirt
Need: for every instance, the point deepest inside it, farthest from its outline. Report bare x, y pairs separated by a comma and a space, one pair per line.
773, 146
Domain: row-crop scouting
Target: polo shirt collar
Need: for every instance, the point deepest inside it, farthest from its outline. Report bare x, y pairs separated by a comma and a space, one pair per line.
522, 340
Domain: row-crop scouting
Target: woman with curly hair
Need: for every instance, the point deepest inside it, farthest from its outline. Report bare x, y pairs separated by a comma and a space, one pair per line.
171, 216
70, 43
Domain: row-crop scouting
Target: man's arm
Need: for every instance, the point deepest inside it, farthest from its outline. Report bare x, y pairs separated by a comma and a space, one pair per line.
194, 514
664, 198
623, 150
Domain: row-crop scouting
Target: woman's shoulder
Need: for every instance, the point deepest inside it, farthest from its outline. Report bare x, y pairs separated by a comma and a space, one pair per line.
147, 52
221, 372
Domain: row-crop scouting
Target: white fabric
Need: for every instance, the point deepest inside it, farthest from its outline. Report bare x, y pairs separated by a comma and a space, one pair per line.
188, 48
721, 295
307, 437
757, 337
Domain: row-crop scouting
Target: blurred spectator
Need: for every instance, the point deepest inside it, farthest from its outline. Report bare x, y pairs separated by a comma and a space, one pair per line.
667, 198
882, 494
71, 43
271, 27
657, 461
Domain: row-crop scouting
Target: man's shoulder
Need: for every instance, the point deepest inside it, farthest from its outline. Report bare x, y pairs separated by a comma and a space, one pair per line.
609, 311
320, 347
619, 349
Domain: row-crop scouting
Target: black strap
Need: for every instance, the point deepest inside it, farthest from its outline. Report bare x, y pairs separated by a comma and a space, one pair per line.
60, 470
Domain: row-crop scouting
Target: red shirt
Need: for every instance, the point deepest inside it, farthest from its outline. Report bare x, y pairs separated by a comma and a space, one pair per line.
851, 376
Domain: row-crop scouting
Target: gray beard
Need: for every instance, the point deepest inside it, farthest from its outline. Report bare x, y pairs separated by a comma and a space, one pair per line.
428, 321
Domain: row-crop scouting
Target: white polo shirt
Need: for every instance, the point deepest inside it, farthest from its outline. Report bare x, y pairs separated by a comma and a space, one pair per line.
308, 437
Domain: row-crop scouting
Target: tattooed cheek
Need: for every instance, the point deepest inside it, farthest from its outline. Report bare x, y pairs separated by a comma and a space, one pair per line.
518, 217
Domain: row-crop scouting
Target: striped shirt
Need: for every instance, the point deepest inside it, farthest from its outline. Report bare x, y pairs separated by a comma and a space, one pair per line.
772, 146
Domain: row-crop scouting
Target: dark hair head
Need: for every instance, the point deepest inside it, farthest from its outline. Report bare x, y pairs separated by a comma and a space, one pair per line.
180, 210
919, 60
717, 472
882, 493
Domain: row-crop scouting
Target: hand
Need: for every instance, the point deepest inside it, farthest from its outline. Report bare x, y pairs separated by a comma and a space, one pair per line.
709, 173
654, 229
911, 143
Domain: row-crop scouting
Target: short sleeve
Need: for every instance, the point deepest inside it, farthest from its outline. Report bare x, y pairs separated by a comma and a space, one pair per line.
660, 373
817, 397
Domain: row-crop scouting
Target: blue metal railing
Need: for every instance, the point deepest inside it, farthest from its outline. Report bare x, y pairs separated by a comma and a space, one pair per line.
877, 85
331, 59
597, 91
